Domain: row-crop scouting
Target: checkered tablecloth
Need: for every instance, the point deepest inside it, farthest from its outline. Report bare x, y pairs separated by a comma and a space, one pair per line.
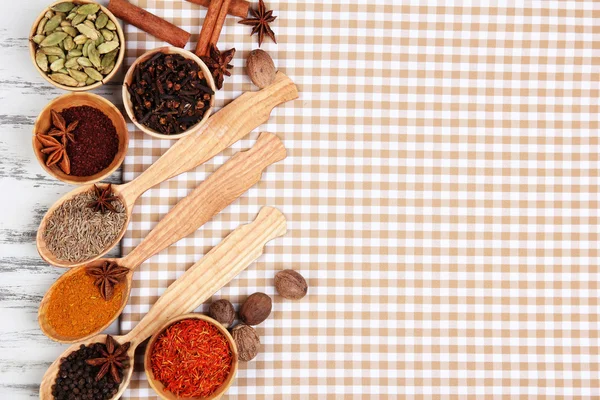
441, 191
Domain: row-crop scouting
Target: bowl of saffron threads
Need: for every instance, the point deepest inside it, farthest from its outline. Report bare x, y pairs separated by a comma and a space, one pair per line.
191, 357
168, 93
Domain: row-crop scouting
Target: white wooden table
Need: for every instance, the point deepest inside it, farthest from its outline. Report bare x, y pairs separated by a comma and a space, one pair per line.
27, 192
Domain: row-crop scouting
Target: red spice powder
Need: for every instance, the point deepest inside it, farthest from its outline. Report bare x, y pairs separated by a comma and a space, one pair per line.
96, 142
191, 358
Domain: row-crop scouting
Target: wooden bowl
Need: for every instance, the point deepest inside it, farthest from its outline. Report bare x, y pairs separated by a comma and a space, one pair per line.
159, 387
129, 78
44, 122
118, 62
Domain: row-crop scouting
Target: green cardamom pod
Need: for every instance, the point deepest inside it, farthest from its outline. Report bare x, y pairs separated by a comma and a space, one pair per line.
91, 33
111, 26
74, 53
72, 63
80, 39
63, 71
53, 51
108, 69
87, 9
62, 45
101, 21
62, 14
41, 60
41, 26
84, 62
65, 23
107, 47
89, 24
109, 58
37, 39
78, 75
91, 17
94, 56
94, 74
71, 15
52, 24
84, 51
59, 29
69, 30
53, 39
63, 7
99, 41
64, 79
57, 65
51, 59
79, 18
49, 14
108, 35
69, 43
90, 81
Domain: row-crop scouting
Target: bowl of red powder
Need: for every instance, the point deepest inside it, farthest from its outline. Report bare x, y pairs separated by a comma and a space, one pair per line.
80, 138
191, 357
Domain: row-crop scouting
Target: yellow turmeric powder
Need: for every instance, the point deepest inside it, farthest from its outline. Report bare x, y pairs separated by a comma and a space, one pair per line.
76, 308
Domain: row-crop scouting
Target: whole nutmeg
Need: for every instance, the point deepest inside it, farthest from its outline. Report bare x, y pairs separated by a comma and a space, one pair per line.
223, 311
256, 309
247, 341
260, 68
290, 284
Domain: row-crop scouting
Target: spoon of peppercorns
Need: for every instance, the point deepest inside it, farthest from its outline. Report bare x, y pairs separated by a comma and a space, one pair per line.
87, 360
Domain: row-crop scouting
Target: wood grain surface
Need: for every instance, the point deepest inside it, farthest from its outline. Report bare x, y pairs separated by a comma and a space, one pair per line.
28, 191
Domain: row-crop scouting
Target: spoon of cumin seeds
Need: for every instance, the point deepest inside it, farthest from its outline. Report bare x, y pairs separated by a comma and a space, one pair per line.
220, 131
219, 190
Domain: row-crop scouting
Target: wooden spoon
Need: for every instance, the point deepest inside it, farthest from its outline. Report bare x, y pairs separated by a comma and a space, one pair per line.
219, 266
220, 189
221, 130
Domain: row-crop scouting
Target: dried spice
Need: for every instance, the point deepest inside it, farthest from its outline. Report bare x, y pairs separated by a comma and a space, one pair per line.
74, 232
260, 68
290, 284
56, 151
60, 127
191, 358
247, 341
256, 308
96, 142
77, 380
218, 63
260, 22
107, 276
104, 199
113, 360
169, 93
222, 311
76, 309
84, 40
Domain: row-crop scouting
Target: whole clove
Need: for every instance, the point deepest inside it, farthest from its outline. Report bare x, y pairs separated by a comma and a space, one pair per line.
169, 93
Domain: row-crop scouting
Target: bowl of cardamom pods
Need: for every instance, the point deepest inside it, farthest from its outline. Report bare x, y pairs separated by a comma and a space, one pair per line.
77, 45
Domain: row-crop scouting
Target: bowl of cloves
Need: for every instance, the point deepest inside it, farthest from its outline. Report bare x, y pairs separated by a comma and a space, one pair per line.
168, 93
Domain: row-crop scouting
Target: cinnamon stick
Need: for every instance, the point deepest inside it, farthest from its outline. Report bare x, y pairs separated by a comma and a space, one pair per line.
213, 23
237, 8
149, 23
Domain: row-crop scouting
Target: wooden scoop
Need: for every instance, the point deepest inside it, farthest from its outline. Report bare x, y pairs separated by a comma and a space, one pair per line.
221, 130
220, 189
202, 280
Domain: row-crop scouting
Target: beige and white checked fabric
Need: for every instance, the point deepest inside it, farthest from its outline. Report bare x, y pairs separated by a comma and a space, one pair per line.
441, 191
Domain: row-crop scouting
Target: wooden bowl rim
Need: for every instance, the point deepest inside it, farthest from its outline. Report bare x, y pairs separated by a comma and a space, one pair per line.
118, 62
127, 98
40, 243
49, 332
158, 387
122, 133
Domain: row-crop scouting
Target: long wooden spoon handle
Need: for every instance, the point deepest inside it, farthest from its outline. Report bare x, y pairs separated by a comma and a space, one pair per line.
218, 267
219, 190
221, 130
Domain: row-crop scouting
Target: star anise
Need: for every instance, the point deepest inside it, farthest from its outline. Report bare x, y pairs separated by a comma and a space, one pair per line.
114, 359
218, 63
60, 127
260, 22
106, 277
104, 199
56, 151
